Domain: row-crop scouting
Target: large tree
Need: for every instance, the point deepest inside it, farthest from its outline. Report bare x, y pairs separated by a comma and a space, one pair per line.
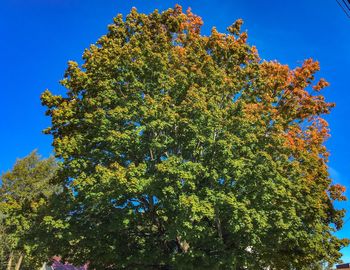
24, 192
184, 151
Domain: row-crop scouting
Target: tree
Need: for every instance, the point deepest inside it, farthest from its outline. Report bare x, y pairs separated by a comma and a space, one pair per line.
184, 151
24, 192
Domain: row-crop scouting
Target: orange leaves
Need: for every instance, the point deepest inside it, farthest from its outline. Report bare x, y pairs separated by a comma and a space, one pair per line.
194, 22
303, 75
322, 83
291, 86
217, 38
309, 140
276, 76
187, 21
318, 131
303, 103
180, 51
294, 139
252, 108
336, 192
235, 28
242, 38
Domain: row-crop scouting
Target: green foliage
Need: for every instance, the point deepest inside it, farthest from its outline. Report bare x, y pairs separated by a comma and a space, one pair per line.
24, 192
183, 151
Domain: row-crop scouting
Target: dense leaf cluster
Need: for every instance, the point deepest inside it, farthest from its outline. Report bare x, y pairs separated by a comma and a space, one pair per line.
25, 193
184, 151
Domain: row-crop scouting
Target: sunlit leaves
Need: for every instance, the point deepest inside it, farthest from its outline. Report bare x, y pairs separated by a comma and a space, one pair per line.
189, 151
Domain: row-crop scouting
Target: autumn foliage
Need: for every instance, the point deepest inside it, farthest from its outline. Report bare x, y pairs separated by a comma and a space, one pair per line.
185, 151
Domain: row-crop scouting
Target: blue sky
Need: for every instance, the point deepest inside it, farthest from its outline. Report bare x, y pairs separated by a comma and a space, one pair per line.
38, 37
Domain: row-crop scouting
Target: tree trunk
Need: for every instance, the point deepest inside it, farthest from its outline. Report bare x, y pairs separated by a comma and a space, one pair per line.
19, 262
9, 262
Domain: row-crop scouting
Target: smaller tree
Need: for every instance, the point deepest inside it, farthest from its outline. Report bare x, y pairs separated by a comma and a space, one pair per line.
24, 193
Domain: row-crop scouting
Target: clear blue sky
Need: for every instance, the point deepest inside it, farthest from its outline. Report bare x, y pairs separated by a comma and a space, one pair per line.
38, 37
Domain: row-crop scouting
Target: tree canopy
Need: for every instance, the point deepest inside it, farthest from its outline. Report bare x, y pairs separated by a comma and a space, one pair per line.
24, 192
186, 151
